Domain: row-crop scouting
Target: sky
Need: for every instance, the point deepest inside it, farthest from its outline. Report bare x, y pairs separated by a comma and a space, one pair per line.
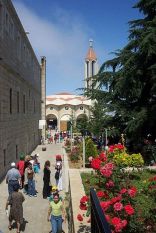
60, 30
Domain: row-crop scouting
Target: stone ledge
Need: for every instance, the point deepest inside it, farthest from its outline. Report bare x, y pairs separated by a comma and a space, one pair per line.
77, 191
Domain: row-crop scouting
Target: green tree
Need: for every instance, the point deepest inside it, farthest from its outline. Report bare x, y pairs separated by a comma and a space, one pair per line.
127, 83
82, 123
91, 149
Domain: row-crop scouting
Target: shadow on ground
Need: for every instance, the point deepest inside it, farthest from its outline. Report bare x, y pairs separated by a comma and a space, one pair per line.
84, 228
22, 227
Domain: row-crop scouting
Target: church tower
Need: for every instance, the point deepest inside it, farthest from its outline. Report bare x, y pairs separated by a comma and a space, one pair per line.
91, 65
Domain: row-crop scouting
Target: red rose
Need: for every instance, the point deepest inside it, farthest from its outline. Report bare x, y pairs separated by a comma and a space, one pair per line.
132, 191
83, 206
84, 199
129, 209
105, 205
118, 206
124, 223
115, 199
122, 191
95, 163
100, 193
119, 146
116, 221
110, 184
103, 157
79, 217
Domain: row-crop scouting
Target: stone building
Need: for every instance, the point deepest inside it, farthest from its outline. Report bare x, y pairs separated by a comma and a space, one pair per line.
20, 89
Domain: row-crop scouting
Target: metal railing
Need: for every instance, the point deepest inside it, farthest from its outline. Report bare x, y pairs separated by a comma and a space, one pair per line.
99, 223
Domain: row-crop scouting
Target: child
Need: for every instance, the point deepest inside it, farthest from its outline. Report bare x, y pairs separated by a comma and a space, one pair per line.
54, 191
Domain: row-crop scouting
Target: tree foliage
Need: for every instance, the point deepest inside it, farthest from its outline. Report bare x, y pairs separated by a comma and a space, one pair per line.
127, 83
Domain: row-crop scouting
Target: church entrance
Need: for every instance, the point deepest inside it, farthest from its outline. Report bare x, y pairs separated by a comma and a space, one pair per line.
52, 122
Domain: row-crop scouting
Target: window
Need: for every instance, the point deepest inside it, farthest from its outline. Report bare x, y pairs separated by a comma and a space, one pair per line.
4, 157
17, 101
16, 151
81, 107
23, 103
18, 45
10, 100
66, 107
93, 68
34, 106
6, 20
51, 108
87, 69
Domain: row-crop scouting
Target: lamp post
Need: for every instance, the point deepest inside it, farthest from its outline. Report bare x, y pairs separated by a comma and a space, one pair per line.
84, 150
71, 134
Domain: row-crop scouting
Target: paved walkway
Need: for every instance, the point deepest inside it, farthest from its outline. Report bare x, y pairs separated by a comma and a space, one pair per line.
35, 208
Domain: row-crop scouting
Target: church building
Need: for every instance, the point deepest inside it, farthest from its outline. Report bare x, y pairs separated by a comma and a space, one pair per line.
63, 107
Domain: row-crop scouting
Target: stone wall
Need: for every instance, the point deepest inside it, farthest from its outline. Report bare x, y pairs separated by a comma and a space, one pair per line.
20, 89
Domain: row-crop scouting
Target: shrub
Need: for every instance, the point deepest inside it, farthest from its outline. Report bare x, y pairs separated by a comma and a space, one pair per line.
90, 149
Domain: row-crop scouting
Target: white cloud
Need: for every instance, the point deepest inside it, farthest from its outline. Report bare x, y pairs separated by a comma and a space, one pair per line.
63, 41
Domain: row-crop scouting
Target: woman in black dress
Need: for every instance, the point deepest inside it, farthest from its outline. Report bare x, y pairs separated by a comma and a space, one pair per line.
46, 180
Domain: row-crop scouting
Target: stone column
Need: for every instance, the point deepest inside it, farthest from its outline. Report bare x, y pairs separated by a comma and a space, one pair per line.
58, 126
43, 95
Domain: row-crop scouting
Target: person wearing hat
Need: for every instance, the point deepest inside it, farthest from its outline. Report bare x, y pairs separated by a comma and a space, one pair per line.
13, 177
15, 201
54, 190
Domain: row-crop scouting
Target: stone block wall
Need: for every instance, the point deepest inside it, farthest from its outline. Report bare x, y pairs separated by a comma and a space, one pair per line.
20, 89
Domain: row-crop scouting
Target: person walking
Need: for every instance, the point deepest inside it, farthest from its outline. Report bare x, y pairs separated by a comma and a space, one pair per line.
56, 214
15, 201
58, 173
21, 167
46, 180
13, 177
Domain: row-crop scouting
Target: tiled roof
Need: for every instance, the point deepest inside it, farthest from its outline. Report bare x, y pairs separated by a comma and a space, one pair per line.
91, 56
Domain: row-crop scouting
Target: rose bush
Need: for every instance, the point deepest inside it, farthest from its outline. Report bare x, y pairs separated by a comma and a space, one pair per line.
117, 192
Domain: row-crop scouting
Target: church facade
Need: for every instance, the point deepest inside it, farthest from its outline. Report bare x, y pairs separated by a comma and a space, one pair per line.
64, 107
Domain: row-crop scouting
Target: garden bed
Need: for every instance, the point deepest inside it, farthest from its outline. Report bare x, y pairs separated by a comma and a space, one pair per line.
127, 197
143, 201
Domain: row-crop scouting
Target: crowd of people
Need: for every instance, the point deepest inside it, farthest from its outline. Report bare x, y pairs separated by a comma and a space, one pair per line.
22, 176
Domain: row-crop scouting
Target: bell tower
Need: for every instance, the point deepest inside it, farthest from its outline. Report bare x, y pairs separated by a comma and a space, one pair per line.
91, 65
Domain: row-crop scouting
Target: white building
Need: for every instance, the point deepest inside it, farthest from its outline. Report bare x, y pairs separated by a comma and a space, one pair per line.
63, 107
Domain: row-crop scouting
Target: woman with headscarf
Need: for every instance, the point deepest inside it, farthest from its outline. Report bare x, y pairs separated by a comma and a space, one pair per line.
15, 201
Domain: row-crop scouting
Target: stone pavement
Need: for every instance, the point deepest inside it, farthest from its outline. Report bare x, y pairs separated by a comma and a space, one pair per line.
35, 208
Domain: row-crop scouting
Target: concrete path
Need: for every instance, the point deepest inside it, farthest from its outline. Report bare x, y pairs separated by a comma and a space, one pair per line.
35, 208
